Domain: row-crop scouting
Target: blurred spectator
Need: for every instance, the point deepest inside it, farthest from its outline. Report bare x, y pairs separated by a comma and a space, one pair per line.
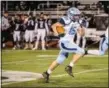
101, 22
41, 28
99, 7
84, 20
17, 8
92, 23
17, 31
4, 29
26, 18
49, 21
23, 6
81, 40
50, 34
22, 34
29, 33
32, 5
11, 28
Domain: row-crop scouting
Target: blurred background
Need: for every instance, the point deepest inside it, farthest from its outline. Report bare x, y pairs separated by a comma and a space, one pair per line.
95, 12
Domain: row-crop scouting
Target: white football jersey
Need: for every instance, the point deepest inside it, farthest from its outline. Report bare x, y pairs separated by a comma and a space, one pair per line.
70, 30
66, 21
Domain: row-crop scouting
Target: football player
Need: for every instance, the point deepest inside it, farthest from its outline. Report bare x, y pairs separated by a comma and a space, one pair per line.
4, 28
41, 28
104, 43
68, 27
17, 31
29, 33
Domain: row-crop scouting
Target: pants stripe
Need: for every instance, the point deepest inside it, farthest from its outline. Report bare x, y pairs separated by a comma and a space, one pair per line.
63, 46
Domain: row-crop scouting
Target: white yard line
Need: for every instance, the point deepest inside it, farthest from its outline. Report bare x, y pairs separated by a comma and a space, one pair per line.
19, 81
61, 75
12, 62
29, 62
22, 61
95, 56
19, 76
45, 57
84, 56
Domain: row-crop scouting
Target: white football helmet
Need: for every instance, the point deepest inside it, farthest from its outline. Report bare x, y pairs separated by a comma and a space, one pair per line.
73, 13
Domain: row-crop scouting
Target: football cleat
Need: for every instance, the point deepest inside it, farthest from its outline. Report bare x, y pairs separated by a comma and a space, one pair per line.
86, 52
68, 69
34, 48
14, 48
46, 76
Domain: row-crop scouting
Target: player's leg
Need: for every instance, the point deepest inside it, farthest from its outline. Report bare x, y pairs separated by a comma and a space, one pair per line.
102, 48
79, 53
43, 35
18, 39
31, 39
78, 39
3, 38
22, 39
38, 39
14, 39
73, 48
61, 57
83, 42
26, 39
74, 60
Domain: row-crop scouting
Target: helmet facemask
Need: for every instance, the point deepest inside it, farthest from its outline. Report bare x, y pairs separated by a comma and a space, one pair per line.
73, 14
76, 17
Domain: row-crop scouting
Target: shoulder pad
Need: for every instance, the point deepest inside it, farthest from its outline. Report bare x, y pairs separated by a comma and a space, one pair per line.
66, 20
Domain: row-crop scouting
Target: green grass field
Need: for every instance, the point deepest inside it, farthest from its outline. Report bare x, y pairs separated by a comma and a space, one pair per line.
90, 71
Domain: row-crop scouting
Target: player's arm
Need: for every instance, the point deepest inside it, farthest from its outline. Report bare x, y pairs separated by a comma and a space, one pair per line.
36, 26
46, 27
58, 27
81, 31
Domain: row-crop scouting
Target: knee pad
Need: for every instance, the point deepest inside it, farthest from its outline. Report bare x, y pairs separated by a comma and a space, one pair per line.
61, 57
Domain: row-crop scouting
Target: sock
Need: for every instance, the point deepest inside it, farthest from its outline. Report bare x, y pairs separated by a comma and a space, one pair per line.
49, 71
71, 64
